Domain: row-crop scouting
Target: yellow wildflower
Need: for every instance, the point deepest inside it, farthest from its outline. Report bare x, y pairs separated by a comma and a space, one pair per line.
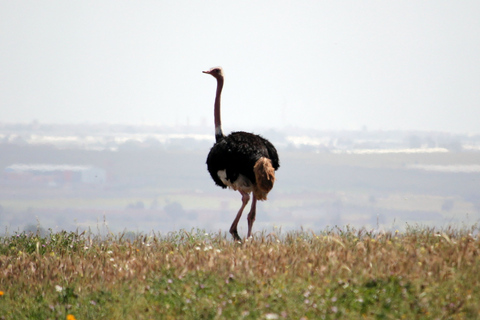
71, 317
1, 293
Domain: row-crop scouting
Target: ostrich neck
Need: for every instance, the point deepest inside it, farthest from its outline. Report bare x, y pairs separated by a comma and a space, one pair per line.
217, 114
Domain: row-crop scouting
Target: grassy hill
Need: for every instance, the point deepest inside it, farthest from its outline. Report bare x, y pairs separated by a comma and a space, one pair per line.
335, 274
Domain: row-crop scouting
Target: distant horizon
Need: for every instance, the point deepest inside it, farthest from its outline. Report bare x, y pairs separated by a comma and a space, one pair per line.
232, 127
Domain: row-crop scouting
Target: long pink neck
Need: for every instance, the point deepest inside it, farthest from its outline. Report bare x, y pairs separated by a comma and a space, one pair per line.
217, 115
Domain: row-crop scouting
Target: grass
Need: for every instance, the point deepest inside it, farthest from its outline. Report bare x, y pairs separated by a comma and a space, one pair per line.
335, 274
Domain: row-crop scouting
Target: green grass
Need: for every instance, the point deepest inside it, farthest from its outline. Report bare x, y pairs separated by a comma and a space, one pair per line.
335, 274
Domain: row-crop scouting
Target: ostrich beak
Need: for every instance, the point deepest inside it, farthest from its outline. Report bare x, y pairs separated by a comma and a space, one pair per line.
206, 72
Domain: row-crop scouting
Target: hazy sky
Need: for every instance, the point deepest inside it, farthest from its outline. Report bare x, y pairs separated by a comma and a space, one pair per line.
310, 64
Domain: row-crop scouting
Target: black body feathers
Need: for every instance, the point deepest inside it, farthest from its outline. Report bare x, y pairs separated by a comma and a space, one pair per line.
237, 153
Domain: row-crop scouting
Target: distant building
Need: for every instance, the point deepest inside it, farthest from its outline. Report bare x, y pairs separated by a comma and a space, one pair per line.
53, 174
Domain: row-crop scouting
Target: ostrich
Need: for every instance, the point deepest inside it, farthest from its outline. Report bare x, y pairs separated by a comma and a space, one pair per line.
241, 161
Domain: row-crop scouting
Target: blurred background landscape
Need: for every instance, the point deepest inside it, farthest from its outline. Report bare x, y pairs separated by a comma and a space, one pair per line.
106, 118
144, 178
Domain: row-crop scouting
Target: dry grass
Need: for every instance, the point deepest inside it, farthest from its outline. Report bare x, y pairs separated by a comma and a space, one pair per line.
420, 274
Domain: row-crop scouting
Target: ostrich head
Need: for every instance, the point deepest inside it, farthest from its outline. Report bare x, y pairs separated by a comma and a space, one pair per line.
216, 72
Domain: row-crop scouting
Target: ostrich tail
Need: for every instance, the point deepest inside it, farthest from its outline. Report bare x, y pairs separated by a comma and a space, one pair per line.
264, 176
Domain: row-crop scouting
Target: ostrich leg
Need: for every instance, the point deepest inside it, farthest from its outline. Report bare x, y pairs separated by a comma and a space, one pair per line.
233, 228
251, 216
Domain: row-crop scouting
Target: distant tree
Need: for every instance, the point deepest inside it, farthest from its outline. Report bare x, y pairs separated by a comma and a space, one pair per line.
453, 144
130, 145
430, 142
139, 205
35, 229
174, 209
130, 236
20, 141
414, 142
152, 142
